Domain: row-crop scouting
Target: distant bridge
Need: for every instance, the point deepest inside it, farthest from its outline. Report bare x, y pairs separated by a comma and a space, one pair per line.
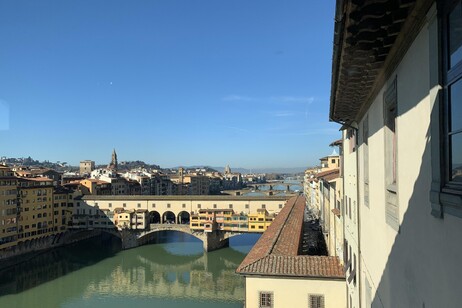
273, 186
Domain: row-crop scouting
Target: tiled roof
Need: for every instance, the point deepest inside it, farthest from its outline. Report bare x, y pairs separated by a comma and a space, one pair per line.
40, 179
328, 175
276, 252
296, 266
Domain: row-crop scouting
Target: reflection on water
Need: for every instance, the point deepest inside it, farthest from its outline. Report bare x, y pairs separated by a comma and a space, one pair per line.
174, 272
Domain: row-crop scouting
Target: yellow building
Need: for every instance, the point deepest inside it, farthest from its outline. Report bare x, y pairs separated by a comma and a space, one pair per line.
330, 162
8, 208
226, 220
260, 221
36, 206
95, 187
124, 219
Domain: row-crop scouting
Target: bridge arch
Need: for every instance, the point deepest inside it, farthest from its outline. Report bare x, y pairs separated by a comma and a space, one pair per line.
183, 218
145, 235
168, 217
154, 217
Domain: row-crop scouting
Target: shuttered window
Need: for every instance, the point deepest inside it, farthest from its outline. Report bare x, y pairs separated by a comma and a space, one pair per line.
390, 113
266, 299
316, 301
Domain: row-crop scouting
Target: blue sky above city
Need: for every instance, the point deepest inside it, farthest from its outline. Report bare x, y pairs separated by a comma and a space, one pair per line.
172, 82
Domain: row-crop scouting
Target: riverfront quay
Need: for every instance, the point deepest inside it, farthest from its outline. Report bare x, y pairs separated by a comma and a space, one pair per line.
173, 272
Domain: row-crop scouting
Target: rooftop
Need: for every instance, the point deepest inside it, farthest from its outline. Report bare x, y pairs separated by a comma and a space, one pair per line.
328, 175
370, 37
276, 252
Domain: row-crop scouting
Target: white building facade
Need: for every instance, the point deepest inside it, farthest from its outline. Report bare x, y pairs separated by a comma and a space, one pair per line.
397, 85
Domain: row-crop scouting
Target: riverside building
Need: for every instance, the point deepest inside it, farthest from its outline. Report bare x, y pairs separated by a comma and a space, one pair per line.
397, 91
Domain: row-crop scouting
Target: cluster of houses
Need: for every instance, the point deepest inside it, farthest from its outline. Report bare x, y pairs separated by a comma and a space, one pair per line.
209, 220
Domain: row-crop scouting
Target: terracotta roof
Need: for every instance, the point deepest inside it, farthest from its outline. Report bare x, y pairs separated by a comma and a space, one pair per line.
336, 212
40, 179
328, 175
296, 266
338, 142
276, 252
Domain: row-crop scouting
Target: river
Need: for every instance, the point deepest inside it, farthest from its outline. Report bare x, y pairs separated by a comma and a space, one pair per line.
173, 272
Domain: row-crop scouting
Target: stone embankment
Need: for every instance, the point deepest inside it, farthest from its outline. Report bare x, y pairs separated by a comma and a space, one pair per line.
30, 248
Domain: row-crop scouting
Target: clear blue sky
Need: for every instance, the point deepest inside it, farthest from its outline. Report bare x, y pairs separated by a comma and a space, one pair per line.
172, 82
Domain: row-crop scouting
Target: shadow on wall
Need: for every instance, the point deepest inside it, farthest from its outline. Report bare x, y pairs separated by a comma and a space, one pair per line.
423, 268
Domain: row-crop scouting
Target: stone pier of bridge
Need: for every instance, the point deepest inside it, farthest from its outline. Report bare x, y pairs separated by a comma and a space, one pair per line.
211, 240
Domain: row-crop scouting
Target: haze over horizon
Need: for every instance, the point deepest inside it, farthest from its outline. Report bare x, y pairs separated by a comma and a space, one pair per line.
168, 82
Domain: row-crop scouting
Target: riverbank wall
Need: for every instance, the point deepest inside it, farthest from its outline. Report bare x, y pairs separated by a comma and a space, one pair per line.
29, 249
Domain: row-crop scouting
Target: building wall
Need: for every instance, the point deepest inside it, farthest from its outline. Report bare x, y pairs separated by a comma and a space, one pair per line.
417, 265
8, 208
36, 220
350, 216
293, 292
335, 244
62, 213
87, 166
240, 205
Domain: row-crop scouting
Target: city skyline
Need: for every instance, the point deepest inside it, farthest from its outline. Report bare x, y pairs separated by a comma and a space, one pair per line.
239, 83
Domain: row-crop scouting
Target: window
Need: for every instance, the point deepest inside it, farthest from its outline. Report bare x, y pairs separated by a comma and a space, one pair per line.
390, 112
263, 206
316, 301
246, 206
230, 206
214, 206
183, 205
199, 206
280, 206
452, 82
266, 299
110, 204
125, 205
153, 205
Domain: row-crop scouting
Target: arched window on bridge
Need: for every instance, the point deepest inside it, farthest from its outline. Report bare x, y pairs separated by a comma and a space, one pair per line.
154, 217
168, 217
183, 218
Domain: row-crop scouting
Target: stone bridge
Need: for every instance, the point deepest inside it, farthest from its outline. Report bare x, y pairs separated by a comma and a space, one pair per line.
211, 240
271, 186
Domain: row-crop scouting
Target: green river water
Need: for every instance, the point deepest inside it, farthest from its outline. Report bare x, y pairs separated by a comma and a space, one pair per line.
172, 272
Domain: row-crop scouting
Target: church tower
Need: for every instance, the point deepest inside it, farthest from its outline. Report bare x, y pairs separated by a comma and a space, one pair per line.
113, 164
